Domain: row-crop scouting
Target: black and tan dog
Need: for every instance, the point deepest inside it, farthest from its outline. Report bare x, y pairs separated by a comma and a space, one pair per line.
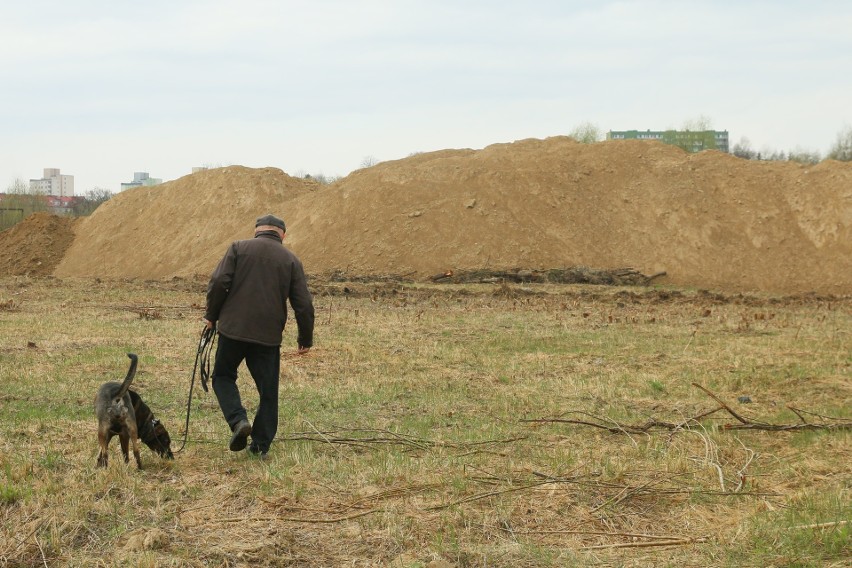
121, 411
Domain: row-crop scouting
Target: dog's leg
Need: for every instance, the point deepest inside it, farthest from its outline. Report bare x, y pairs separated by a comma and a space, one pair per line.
103, 444
136, 452
134, 438
124, 438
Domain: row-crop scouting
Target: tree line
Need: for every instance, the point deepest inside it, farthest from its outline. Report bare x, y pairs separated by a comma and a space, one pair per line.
19, 202
841, 150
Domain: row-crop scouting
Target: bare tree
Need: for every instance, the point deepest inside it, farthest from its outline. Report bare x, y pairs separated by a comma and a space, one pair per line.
19, 203
775, 155
743, 149
586, 133
700, 124
86, 204
842, 149
322, 179
804, 156
18, 187
369, 161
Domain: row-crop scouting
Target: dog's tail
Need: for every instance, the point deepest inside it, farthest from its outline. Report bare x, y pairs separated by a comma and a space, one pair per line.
131, 372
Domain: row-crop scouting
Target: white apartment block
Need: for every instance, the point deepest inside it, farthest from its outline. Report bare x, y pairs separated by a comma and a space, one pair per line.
141, 179
53, 183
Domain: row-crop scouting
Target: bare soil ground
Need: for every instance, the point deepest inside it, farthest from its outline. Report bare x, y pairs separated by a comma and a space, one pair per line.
708, 220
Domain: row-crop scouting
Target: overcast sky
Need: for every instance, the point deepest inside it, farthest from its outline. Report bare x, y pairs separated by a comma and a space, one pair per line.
104, 88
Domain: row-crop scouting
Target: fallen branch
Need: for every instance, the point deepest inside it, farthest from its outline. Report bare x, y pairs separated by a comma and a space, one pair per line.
393, 493
678, 542
820, 525
799, 411
388, 437
41, 550
653, 424
274, 518
600, 533
479, 496
625, 428
547, 480
741, 474
746, 424
725, 406
622, 495
787, 427
324, 437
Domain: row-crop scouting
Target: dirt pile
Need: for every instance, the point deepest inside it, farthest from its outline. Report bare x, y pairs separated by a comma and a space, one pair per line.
181, 227
707, 220
35, 246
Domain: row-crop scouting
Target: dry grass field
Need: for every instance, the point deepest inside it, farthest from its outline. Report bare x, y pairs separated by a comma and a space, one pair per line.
438, 426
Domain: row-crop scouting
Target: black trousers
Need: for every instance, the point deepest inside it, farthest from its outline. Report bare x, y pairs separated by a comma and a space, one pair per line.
264, 363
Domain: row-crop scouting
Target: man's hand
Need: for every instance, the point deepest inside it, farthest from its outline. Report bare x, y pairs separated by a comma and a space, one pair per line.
303, 350
208, 323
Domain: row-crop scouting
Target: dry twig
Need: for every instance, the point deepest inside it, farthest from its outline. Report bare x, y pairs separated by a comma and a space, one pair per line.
388, 437
654, 424
675, 542
648, 426
41, 550
479, 496
746, 424
750, 455
820, 525
274, 518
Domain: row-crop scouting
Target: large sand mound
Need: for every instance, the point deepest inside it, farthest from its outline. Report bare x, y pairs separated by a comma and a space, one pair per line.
35, 246
708, 220
178, 228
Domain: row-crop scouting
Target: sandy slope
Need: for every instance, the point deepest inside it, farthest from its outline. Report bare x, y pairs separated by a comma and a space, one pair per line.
709, 220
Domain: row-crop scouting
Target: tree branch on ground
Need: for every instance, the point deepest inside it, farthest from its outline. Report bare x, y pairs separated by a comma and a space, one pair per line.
744, 423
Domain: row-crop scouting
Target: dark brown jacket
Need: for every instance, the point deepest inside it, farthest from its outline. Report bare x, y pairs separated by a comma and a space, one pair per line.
248, 292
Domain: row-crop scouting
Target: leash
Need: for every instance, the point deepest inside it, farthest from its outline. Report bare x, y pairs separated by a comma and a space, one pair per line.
202, 365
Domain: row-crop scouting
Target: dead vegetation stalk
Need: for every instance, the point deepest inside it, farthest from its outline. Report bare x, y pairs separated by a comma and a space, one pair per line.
654, 424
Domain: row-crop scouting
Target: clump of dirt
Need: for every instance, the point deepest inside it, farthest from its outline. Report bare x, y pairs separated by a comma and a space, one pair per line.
35, 246
708, 220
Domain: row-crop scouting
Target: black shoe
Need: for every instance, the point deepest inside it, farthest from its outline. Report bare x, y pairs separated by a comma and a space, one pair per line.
254, 451
240, 438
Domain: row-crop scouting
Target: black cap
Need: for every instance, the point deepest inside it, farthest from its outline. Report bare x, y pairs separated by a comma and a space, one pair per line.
270, 220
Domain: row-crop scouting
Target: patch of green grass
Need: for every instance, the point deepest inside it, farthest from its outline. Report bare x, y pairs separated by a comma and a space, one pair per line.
814, 530
10, 494
51, 460
41, 410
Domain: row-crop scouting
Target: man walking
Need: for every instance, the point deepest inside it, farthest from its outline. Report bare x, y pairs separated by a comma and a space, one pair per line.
247, 299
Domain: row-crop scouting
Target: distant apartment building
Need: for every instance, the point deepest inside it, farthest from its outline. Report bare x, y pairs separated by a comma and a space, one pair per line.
689, 140
141, 179
53, 183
